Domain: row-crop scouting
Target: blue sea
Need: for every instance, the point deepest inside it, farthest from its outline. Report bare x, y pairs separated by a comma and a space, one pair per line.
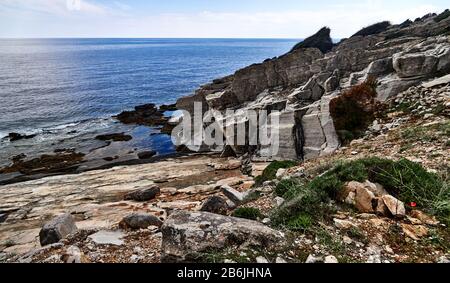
66, 90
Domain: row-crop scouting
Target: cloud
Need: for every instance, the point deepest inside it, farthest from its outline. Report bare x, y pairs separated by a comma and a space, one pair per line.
52, 7
117, 19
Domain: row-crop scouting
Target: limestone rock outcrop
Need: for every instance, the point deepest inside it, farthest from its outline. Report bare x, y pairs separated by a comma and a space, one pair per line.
188, 234
300, 84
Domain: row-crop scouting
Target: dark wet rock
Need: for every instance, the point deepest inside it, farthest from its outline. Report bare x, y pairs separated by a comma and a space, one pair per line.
147, 154
3, 217
61, 150
140, 221
373, 29
147, 115
186, 235
57, 229
16, 137
114, 137
18, 158
144, 194
170, 107
215, 204
45, 164
321, 40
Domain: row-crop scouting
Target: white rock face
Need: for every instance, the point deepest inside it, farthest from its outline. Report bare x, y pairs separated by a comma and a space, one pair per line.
185, 234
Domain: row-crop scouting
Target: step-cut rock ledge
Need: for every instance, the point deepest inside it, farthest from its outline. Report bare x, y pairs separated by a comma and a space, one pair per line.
302, 82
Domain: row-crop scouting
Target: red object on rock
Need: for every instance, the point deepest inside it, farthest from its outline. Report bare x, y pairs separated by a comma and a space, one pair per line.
413, 204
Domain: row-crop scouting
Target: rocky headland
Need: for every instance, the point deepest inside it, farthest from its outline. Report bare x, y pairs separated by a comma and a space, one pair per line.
361, 174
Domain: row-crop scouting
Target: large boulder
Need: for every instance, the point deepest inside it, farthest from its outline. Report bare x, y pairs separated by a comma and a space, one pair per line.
424, 59
186, 235
57, 229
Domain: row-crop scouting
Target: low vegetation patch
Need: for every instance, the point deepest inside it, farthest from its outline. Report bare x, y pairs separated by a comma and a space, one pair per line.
406, 180
430, 133
288, 188
250, 213
354, 110
271, 171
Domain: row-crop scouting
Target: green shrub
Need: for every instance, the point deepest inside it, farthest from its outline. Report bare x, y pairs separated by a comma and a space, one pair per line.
271, 171
406, 180
301, 223
288, 188
247, 213
306, 202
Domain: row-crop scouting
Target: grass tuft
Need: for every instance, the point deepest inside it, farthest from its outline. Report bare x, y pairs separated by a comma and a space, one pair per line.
271, 171
247, 213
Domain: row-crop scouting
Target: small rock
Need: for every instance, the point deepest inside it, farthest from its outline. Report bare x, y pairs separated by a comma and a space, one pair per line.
146, 154
280, 173
57, 229
427, 219
343, 224
415, 232
389, 250
280, 260
395, 206
279, 201
232, 164
234, 195
145, 194
215, 204
135, 258
103, 237
347, 240
266, 221
140, 221
313, 259
261, 259
73, 254
443, 259
114, 137
228, 261
331, 259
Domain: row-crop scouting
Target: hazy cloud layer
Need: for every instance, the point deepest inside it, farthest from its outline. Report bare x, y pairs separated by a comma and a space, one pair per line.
52, 18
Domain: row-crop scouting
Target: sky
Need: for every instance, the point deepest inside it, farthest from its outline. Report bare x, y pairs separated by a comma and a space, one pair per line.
201, 18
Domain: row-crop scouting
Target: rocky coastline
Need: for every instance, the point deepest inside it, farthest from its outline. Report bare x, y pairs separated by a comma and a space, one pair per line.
361, 175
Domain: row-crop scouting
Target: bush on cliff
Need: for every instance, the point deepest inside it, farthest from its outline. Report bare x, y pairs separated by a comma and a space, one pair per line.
354, 110
406, 180
271, 171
